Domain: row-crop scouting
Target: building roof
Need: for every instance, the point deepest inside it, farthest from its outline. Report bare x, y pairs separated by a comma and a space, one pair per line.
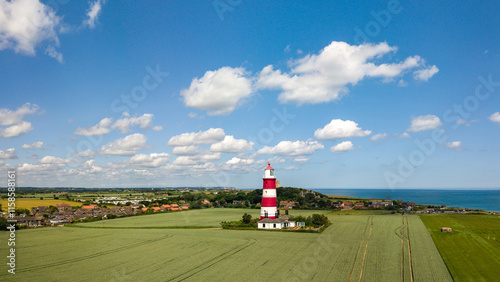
269, 166
281, 218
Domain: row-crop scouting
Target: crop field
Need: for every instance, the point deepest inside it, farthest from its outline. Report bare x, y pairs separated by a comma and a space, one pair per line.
29, 203
353, 248
472, 250
202, 217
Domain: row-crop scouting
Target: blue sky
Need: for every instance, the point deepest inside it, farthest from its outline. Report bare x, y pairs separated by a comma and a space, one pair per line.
390, 94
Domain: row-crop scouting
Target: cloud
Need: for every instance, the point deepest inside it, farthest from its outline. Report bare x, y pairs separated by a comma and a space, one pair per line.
403, 136
422, 123
8, 154
495, 117
291, 168
195, 115
151, 160
342, 147
379, 136
338, 129
56, 160
468, 122
231, 145
183, 160
210, 136
86, 154
301, 159
455, 145
402, 83
219, 92
8, 117
425, 74
16, 130
35, 145
99, 129
124, 124
24, 24
158, 128
52, 52
238, 161
126, 146
324, 77
93, 13
290, 148
185, 150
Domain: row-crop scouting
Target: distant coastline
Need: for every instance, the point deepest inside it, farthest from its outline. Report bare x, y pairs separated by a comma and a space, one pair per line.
487, 200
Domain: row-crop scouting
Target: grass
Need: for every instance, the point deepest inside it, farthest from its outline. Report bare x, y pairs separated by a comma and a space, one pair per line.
203, 217
82, 254
472, 251
29, 203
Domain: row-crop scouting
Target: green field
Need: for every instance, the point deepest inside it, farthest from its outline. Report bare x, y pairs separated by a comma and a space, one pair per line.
202, 217
472, 251
354, 247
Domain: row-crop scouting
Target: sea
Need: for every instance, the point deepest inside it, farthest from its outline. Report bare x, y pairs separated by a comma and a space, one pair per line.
487, 200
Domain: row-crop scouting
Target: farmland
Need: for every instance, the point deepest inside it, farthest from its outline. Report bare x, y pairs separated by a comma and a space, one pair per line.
472, 250
31, 203
354, 247
202, 217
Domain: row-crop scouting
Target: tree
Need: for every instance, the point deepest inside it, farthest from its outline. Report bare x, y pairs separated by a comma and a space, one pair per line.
3, 223
247, 218
41, 198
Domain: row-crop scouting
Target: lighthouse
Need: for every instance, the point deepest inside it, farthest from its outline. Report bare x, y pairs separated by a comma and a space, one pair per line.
268, 208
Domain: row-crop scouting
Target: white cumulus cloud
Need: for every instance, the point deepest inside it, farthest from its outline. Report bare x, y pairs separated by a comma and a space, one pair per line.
93, 13
379, 136
231, 145
151, 160
16, 130
219, 92
124, 124
495, 117
126, 146
9, 117
338, 129
99, 129
8, 154
425, 74
455, 145
342, 147
24, 24
35, 145
290, 148
210, 136
324, 77
426, 122
56, 160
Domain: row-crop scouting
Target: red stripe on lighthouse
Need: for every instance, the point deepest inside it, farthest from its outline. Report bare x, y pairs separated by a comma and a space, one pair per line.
269, 183
269, 202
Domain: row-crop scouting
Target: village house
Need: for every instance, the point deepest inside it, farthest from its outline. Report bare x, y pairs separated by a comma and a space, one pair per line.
287, 204
347, 205
359, 205
63, 206
337, 204
29, 221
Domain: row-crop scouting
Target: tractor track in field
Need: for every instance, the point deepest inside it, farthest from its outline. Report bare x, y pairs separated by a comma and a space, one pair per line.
98, 254
220, 258
360, 244
403, 232
366, 247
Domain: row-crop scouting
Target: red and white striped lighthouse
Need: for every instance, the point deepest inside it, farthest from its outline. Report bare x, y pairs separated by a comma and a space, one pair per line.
268, 208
